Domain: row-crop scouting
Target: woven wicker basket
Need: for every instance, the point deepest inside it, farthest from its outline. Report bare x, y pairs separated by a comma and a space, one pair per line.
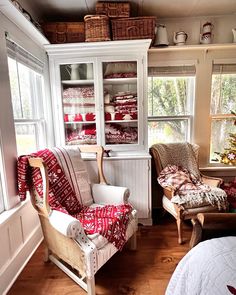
97, 28
113, 9
64, 32
133, 28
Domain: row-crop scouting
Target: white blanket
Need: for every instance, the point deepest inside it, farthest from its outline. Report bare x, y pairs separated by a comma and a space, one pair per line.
207, 269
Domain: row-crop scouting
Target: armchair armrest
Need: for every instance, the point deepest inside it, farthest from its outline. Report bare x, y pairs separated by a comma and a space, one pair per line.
212, 225
212, 181
109, 194
65, 224
169, 192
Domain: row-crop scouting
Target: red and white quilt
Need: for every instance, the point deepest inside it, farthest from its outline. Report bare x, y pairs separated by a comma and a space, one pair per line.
110, 221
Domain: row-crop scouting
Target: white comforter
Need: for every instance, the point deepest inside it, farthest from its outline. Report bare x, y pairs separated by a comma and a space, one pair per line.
206, 269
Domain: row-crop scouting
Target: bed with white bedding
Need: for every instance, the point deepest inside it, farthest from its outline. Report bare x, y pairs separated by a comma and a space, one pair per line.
207, 269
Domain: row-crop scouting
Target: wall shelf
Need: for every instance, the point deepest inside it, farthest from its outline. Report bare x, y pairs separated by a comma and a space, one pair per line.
17, 17
193, 47
120, 81
77, 82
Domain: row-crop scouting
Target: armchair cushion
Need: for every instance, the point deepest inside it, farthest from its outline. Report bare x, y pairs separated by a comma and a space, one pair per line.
109, 194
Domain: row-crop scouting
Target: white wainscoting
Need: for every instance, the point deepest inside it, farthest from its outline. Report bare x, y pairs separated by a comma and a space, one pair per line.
134, 174
20, 236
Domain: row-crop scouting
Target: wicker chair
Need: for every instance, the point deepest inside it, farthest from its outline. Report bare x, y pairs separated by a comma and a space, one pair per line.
80, 258
176, 210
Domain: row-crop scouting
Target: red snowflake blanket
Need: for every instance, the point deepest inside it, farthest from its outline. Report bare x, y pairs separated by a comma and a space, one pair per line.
109, 221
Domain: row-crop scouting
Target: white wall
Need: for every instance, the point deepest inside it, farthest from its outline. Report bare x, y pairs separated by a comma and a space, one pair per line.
20, 229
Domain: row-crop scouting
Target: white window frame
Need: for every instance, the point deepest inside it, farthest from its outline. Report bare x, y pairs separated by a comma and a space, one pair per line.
219, 116
188, 118
37, 88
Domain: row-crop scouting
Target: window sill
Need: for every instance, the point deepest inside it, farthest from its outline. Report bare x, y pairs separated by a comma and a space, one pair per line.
218, 168
6, 215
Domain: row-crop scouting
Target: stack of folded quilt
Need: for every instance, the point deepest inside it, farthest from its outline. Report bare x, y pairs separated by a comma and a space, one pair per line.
123, 107
115, 134
118, 134
86, 135
79, 104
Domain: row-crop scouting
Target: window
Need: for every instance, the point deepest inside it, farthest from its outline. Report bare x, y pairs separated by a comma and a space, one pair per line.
26, 81
171, 92
223, 101
1, 196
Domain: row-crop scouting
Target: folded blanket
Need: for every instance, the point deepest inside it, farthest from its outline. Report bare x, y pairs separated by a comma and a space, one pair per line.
191, 192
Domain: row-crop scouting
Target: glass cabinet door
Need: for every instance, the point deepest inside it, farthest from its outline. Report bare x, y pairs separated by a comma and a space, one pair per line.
78, 103
120, 102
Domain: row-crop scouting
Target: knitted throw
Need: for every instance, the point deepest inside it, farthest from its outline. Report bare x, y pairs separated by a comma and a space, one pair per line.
191, 192
180, 154
110, 221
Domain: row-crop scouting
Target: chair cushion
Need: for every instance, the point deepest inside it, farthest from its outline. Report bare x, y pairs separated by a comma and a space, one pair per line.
75, 170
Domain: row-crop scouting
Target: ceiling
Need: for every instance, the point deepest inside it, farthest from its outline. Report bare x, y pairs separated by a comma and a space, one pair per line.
56, 10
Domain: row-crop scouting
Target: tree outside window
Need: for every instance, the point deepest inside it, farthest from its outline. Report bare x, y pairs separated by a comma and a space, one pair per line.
223, 102
170, 99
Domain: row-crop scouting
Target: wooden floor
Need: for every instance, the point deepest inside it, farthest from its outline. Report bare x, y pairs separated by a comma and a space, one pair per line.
142, 272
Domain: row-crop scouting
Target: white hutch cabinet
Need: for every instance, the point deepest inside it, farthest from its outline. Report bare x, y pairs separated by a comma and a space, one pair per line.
99, 96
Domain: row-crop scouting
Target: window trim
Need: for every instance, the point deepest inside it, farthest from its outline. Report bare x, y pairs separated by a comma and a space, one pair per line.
190, 102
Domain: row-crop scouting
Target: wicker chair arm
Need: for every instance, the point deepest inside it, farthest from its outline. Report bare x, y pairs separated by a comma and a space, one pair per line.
169, 192
212, 181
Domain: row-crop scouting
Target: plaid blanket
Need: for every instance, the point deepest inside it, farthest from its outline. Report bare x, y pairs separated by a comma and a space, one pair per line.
190, 191
109, 221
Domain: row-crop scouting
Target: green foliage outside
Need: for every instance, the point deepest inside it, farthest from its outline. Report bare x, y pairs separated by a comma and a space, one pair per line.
168, 96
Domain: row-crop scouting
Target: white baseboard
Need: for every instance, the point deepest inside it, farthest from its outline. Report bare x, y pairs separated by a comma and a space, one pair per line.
18, 262
145, 221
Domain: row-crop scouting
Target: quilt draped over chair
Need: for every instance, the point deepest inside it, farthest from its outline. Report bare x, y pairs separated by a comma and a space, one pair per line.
67, 204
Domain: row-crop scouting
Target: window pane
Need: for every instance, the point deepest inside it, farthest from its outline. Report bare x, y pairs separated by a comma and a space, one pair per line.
170, 96
15, 90
167, 131
220, 130
25, 139
223, 93
21, 80
1, 197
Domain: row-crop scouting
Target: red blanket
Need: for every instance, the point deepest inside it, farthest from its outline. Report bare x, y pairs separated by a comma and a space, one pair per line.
109, 221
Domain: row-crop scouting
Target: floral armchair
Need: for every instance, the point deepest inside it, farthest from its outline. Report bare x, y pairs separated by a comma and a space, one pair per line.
85, 239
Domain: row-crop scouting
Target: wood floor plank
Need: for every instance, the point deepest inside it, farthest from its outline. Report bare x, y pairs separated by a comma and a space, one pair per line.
142, 272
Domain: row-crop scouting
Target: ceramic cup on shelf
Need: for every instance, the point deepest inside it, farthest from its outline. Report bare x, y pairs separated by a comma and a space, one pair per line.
161, 38
180, 38
207, 27
206, 38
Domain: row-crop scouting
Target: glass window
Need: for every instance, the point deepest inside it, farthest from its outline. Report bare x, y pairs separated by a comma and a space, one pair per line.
26, 92
170, 100
1, 197
223, 102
